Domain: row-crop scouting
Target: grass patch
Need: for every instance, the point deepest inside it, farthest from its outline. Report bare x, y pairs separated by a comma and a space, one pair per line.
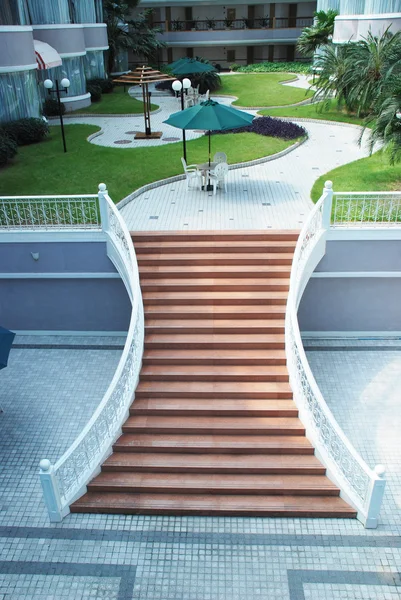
314, 111
262, 89
373, 174
45, 169
116, 103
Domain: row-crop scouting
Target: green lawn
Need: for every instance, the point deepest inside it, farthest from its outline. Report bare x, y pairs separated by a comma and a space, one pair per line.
314, 111
262, 89
116, 103
44, 168
367, 174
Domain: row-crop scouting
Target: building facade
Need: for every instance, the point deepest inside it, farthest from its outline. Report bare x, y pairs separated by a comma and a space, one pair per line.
357, 17
74, 28
230, 33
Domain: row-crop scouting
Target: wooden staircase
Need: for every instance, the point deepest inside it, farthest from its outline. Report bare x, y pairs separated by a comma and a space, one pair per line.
213, 429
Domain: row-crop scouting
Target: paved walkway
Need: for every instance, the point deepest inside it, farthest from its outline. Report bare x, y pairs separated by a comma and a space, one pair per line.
112, 557
273, 194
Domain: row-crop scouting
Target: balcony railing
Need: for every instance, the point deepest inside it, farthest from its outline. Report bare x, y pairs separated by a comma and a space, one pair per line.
177, 25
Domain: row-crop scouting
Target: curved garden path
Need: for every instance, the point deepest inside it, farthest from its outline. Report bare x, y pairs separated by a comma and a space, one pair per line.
273, 194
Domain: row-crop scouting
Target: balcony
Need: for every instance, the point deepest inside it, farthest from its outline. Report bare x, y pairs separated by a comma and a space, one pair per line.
237, 31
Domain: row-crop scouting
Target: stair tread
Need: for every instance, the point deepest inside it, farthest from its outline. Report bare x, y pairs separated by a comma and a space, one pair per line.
209, 310
239, 462
192, 405
285, 505
208, 441
210, 481
215, 257
245, 323
216, 369
246, 270
213, 236
218, 337
204, 281
243, 354
214, 386
201, 423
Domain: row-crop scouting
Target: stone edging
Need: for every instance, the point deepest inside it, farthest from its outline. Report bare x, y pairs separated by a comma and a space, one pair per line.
322, 121
85, 115
250, 163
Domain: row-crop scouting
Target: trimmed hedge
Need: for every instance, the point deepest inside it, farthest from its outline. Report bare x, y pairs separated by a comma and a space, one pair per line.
26, 131
106, 85
95, 92
51, 109
285, 130
275, 67
8, 148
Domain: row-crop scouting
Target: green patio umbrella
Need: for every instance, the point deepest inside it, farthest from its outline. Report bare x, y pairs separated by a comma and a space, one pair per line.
210, 116
190, 66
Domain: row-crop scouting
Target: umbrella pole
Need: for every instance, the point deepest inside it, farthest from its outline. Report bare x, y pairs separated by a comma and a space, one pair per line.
209, 187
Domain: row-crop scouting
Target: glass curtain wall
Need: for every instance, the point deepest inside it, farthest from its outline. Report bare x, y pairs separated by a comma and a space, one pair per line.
352, 7
94, 65
19, 95
327, 4
48, 12
377, 7
83, 11
73, 69
13, 12
99, 11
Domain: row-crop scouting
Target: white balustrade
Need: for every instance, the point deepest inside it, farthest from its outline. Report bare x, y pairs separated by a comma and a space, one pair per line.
66, 480
49, 212
360, 485
366, 209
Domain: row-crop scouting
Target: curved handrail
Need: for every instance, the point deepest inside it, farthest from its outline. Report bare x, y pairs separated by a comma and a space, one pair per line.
66, 480
359, 484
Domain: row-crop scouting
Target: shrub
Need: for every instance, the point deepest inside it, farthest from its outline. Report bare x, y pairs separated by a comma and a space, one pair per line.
51, 109
268, 126
235, 67
8, 148
95, 92
106, 85
26, 131
277, 67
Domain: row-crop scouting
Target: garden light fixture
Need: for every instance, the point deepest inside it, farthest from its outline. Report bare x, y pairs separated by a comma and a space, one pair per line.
65, 84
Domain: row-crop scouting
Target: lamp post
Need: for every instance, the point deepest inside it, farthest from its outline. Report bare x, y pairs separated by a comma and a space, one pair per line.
181, 89
65, 84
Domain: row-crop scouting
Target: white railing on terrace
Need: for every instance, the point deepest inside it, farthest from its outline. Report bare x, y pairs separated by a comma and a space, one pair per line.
366, 209
66, 480
359, 484
47, 212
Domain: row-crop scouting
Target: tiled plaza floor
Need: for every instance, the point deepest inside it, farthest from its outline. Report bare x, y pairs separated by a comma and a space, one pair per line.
192, 558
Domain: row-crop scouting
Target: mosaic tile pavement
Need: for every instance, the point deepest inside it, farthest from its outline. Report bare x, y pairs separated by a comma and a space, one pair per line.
46, 403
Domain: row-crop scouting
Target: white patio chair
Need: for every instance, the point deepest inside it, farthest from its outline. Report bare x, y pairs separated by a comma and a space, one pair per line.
218, 176
192, 174
204, 97
220, 157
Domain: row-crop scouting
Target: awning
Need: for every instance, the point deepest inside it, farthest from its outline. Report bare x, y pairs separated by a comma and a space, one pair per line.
46, 56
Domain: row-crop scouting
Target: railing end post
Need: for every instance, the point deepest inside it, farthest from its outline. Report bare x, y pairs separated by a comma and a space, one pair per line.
375, 497
327, 205
51, 492
102, 193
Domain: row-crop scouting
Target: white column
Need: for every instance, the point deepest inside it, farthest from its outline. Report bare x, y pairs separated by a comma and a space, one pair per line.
51, 492
375, 497
103, 206
327, 205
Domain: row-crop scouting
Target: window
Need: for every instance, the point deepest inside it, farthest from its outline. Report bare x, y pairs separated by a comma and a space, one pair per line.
231, 56
231, 14
47, 12
19, 95
13, 12
94, 65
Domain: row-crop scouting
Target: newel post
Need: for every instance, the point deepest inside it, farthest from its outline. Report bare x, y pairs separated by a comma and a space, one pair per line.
51, 492
327, 205
103, 206
375, 497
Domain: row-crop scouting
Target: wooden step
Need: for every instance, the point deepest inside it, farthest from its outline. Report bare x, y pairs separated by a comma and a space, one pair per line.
183, 247
159, 259
215, 285
217, 425
209, 407
214, 297
210, 311
199, 483
214, 326
218, 341
215, 272
215, 236
221, 389
213, 444
214, 505
214, 357
158, 462
213, 373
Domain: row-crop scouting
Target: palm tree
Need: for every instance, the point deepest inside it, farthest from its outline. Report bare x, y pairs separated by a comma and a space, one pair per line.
126, 34
319, 34
332, 64
386, 125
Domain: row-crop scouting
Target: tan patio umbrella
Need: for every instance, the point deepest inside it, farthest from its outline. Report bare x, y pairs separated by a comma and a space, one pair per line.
142, 76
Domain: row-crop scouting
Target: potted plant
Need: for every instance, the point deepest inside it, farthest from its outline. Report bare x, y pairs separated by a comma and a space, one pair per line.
228, 23
210, 24
177, 25
265, 22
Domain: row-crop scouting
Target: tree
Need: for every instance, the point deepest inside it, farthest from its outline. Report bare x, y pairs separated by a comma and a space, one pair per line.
319, 34
386, 123
125, 33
